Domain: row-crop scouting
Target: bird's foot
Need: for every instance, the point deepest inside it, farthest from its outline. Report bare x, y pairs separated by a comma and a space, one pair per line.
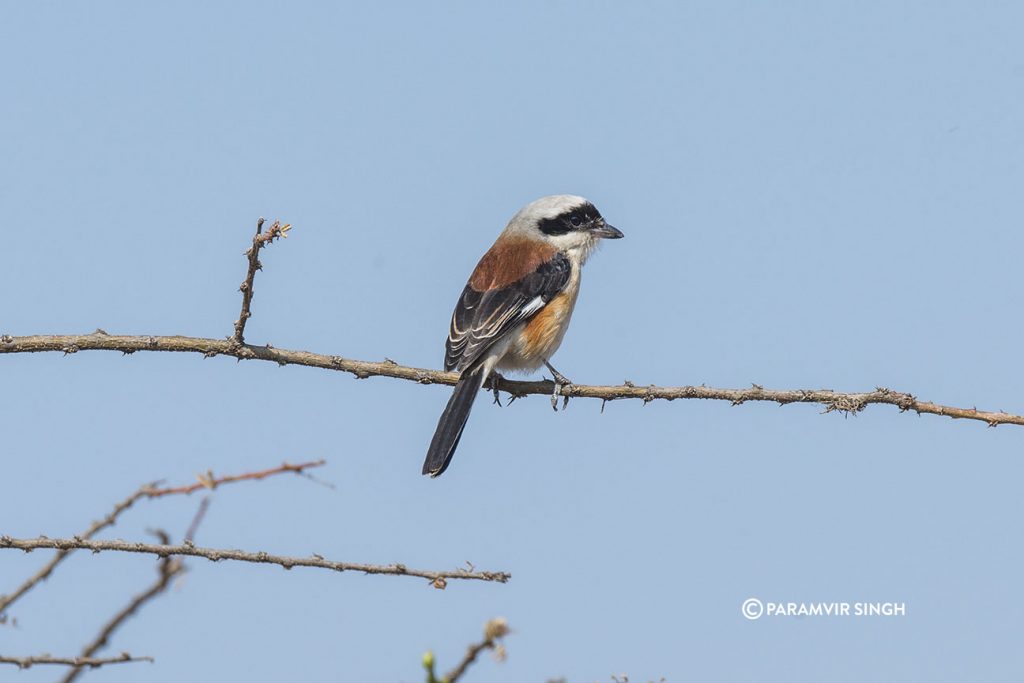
561, 382
495, 379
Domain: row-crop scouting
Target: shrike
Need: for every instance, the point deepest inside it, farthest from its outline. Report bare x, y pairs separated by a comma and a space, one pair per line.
516, 307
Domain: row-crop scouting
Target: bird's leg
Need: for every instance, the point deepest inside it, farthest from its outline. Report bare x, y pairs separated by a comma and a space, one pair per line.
559, 377
560, 382
495, 379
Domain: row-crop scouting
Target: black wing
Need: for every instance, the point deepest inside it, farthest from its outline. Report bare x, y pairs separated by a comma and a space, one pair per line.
482, 318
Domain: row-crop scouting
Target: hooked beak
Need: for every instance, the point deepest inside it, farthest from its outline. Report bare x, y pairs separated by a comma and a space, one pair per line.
606, 231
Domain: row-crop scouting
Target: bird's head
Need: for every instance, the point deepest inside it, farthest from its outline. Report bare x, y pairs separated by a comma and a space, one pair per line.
566, 221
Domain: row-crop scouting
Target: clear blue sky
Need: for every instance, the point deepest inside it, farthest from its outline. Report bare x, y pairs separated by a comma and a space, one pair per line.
813, 195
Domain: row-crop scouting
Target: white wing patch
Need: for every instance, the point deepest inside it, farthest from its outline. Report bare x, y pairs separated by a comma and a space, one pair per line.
532, 306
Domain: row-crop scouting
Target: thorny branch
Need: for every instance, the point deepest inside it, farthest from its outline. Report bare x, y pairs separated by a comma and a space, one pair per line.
832, 401
494, 631
169, 566
236, 347
168, 569
197, 519
47, 569
259, 240
438, 578
29, 662
207, 481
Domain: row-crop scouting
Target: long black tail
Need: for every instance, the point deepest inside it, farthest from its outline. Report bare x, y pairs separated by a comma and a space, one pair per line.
452, 422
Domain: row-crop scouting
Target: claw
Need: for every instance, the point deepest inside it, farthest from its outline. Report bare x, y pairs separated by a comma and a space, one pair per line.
494, 379
560, 381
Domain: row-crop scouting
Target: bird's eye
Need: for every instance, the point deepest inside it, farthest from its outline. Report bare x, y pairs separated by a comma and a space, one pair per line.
575, 220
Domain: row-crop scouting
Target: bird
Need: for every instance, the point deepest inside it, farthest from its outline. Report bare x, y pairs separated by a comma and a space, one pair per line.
516, 306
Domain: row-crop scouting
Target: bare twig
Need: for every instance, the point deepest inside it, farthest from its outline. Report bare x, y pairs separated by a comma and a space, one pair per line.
206, 482
168, 569
832, 401
94, 528
193, 527
209, 482
494, 631
438, 578
259, 240
29, 662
